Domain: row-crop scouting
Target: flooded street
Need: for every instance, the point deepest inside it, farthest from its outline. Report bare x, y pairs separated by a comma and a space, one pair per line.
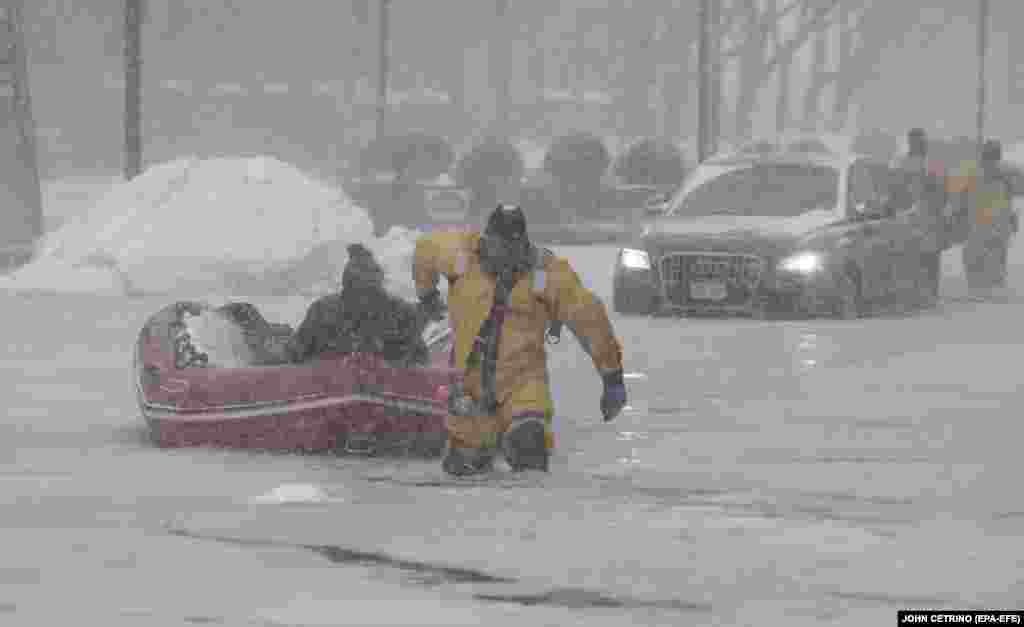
794, 472
745, 155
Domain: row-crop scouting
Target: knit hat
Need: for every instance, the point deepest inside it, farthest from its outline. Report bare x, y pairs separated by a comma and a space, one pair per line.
362, 267
917, 141
507, 222
504, 245
992, 150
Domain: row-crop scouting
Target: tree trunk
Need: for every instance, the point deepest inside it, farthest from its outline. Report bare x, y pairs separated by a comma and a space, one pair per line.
1015, 55
456, 83
819, 79
636, 79
132, 88
717, 103
178, 18
755, 67
870, 32
383, 65
674, 102
751, 68
497, 59
782, 100
22, 180
536, 64
1015, 68
676, 78
844, 87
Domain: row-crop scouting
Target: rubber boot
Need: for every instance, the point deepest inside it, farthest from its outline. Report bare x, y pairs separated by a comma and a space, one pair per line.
466, 462
525, 446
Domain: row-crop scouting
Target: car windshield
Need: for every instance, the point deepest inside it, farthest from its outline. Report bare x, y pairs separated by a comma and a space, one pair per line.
764, 190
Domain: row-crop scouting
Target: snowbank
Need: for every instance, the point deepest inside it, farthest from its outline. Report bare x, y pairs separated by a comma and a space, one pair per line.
211, 226
533, 152
66, 197
1014, 154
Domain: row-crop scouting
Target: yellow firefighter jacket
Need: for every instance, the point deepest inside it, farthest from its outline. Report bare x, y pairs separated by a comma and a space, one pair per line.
988, 200
551, 291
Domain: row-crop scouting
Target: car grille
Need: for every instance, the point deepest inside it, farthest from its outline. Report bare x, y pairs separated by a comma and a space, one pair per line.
709, 280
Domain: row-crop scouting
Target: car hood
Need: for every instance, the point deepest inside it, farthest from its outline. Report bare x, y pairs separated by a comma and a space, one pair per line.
737, 232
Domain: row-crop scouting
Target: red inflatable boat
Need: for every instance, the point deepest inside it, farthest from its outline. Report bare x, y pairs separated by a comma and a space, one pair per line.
198, 384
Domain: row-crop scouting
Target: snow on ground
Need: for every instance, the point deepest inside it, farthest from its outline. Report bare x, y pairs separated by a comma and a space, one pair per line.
791, 472
210, 226
1014, 154
67, 197
533, 152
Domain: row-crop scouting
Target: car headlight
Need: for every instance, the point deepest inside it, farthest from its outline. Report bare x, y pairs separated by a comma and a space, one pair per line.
635, 259
802, 263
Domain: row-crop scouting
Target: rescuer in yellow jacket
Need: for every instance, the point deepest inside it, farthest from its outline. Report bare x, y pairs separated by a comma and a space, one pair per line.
985, 193
503, 293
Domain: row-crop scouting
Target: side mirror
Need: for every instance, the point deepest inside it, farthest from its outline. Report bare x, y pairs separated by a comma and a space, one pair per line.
870, 211
656, 205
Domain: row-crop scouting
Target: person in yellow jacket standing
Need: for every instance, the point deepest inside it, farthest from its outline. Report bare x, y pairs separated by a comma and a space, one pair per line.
503, 295
986, 203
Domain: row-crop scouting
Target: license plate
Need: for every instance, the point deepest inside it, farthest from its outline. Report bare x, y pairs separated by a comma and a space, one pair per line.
449, 215
708, 290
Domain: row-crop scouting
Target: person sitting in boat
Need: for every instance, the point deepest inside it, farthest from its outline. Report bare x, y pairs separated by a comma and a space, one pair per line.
362, 317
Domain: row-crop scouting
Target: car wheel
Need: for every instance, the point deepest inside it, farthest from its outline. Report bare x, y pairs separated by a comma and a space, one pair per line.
761, 311
849, 304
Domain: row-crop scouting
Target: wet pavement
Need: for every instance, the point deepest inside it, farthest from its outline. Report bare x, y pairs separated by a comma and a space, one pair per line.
791, 472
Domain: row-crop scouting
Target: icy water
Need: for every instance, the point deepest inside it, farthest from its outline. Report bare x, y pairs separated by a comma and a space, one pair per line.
766, 473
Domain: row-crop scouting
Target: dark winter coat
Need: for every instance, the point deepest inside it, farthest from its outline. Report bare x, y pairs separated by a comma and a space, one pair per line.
924, 182
361, 320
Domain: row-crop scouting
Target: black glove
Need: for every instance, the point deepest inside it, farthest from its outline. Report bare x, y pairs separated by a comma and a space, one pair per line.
432, 306
613, 398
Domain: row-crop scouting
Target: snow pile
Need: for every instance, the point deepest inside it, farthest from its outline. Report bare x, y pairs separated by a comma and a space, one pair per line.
533, 151
66, 197
295, 493
1013, 159
220, 339
1014, 154
394, 250
222, 225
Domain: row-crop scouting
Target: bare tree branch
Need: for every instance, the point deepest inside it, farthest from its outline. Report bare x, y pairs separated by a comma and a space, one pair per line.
731, 53
852, 52
786, 11
744, 18
807, 29
730, 22
879, 28
773, 16
766, 21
